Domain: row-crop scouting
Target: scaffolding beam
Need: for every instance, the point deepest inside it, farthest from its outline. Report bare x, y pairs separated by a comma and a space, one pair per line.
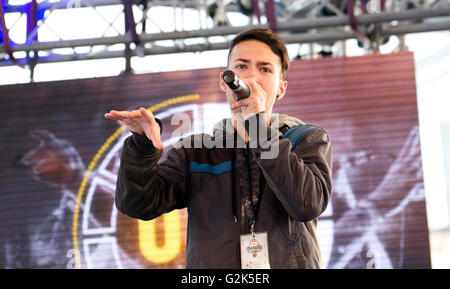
289, 38
308, 29
291, 26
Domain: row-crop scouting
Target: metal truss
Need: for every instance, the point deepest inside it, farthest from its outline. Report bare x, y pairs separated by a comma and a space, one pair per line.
135, 31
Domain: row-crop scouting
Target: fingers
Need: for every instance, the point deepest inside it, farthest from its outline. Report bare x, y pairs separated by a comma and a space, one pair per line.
239, 104
254, 84
117, 115
122, 115
152, 131
147, 114
255, 88
141, 115
256, 92
156, 139
248, 106
112, 115
140, 121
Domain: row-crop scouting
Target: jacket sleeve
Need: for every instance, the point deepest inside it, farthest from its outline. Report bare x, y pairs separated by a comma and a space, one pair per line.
299, 177
146, 189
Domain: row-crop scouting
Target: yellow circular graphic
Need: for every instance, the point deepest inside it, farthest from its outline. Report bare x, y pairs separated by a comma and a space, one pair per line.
93, 165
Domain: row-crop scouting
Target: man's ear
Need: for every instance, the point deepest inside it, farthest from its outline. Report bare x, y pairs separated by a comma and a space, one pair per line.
222, 84
282, 89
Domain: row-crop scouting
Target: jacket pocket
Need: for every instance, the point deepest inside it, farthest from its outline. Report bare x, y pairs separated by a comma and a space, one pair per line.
297, 258
302, 245
295, 238
299, 233
305, 244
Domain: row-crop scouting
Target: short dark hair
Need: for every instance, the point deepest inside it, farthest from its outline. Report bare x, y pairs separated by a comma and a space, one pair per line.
273, 40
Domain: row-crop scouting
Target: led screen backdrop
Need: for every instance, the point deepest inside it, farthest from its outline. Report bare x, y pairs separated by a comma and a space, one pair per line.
59, 162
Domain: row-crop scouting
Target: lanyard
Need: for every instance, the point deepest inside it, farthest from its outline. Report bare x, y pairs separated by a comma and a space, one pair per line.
252, 196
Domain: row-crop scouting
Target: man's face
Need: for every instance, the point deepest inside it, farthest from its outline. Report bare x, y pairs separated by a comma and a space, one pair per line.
255, 60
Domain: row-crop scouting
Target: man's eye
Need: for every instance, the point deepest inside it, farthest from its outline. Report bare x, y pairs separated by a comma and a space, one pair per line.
241, 66
265, 69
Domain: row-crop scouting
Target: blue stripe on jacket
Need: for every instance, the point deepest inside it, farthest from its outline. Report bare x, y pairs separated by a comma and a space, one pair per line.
221, 168
295, 135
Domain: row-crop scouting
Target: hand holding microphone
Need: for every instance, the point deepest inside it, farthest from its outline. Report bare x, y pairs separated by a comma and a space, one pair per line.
247, 105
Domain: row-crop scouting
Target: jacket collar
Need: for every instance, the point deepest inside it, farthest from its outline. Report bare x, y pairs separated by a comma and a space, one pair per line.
278, 121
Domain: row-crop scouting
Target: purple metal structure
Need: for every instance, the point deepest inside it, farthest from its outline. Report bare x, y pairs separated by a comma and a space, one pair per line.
324, 22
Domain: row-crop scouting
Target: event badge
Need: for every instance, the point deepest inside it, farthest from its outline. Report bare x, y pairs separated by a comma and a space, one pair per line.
254, 251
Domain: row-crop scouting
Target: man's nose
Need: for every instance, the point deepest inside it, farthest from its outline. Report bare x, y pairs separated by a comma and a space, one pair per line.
250, 72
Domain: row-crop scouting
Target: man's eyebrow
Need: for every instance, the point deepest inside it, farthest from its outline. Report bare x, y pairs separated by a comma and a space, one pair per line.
261, 63
243, 60
264, 63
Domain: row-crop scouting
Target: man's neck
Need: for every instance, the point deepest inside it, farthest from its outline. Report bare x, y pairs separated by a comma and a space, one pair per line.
238, 123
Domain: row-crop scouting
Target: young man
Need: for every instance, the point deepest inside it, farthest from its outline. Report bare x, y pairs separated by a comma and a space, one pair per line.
249, 206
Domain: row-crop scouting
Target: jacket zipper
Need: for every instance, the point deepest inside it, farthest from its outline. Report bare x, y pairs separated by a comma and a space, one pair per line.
238, 244
238, 227
235, 209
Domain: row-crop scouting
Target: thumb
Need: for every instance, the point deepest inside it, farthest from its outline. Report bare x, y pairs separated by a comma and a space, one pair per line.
156, 140
152, 130
153, 134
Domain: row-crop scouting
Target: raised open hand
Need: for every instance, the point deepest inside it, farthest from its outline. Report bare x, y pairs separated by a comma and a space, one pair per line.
140, 121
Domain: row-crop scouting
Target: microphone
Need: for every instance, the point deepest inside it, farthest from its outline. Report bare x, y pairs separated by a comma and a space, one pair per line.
239, 88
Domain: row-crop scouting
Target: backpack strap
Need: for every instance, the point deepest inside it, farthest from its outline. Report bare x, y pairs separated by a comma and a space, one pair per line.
297, 133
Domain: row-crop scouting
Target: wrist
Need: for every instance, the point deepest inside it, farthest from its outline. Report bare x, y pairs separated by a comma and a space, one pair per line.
142, 144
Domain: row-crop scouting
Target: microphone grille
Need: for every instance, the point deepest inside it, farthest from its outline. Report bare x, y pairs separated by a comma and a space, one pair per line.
228, 76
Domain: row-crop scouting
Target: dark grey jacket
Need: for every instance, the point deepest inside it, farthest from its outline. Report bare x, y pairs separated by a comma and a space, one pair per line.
297, 190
